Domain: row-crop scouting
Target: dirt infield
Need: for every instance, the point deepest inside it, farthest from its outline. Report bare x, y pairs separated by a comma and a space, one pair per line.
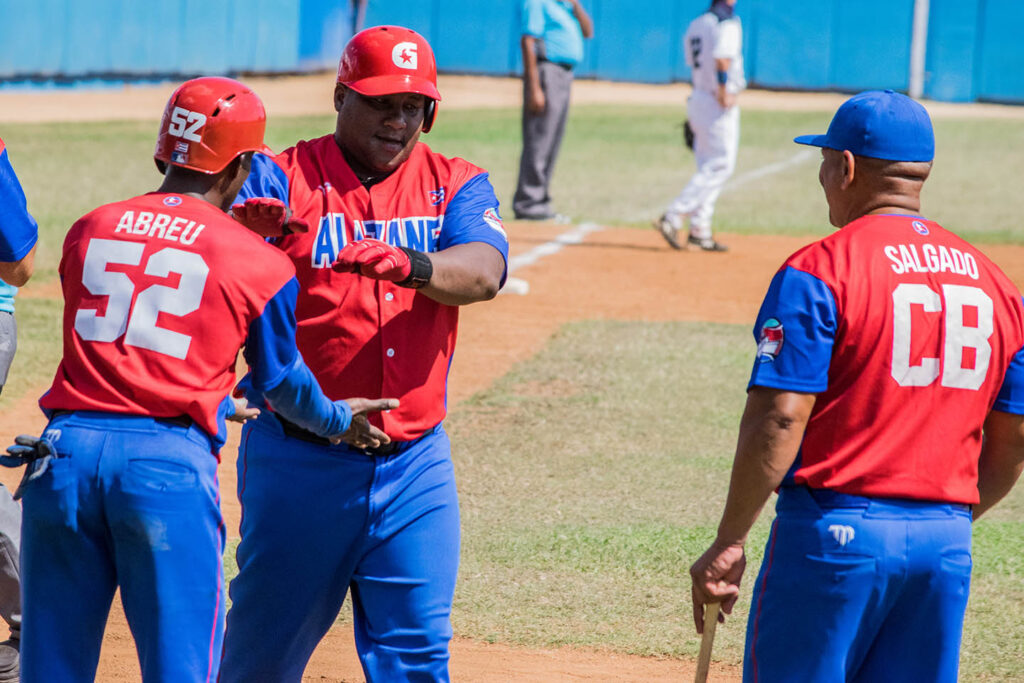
613, 274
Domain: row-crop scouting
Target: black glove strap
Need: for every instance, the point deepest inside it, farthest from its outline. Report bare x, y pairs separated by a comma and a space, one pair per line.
422, 269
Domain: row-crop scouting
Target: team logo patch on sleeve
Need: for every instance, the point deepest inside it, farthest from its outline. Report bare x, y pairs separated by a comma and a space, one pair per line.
920, 228
437, 196
770, 344
492, 219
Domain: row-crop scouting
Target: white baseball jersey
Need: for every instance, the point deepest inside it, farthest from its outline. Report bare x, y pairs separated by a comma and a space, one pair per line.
708, 39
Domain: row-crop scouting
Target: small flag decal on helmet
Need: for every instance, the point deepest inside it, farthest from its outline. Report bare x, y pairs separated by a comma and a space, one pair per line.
181, 147
770, 344
492, 219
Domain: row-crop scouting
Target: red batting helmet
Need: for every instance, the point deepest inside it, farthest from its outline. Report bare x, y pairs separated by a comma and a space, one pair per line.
386, 60
208, 122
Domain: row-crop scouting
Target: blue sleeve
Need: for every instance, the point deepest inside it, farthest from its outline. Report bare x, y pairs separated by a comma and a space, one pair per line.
1011, 394
533, 18
18, 230
266, 179
279, 374
795, 331
472, 216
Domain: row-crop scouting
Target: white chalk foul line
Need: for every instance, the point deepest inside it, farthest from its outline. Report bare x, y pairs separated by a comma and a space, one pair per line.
744, 178
576, 235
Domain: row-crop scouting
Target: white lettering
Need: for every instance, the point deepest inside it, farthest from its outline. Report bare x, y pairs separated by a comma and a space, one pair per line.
190, 237
125, 224
176, 225
142, 223
893, 255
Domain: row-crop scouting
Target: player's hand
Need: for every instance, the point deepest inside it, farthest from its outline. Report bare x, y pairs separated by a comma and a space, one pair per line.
268, 217
243, 412
536, 103
362, 434
373, 258
716, 577
725, 98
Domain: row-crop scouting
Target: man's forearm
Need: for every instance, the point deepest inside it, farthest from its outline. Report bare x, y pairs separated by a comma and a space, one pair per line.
465, 274
771, 431
530, 74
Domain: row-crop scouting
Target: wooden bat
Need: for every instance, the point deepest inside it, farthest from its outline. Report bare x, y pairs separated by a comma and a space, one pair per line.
706, 641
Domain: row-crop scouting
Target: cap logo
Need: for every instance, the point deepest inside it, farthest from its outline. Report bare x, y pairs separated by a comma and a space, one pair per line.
404, 56
920, 228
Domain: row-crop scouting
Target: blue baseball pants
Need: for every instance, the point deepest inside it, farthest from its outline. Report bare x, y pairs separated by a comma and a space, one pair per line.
318, 521
133, 503
860, 589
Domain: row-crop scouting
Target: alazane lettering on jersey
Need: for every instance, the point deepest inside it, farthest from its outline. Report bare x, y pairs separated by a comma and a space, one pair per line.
907, 258
420, 233
180, 230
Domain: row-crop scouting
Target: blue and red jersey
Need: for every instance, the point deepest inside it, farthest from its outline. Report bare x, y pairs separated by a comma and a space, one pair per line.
160, 293
909, 336
18, 230
371, 338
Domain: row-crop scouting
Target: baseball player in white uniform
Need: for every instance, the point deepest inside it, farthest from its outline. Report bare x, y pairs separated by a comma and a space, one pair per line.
713, 44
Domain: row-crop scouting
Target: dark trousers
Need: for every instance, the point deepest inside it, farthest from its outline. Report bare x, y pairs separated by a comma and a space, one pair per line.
542, 137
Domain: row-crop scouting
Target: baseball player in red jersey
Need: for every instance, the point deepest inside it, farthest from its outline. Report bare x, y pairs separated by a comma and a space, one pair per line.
400, 238
121, 492
886, 401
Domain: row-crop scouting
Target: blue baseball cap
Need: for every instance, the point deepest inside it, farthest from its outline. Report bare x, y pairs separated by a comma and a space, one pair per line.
880, 124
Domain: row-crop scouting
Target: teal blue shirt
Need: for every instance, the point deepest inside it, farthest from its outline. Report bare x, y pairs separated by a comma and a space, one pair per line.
7, 294
553, 22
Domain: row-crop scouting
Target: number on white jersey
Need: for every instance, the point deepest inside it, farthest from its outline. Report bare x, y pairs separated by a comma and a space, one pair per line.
695, 48
185, 124
138, 323
958, 336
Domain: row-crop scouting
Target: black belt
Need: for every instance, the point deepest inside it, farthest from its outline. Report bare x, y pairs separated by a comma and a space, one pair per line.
293, 430
176, 421
567, 67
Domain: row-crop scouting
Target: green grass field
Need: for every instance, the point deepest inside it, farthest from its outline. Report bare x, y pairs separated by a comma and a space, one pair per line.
592, 475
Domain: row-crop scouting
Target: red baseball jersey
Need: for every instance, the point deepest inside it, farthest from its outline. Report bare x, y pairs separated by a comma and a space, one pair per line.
360, 336
909, 336
159, 294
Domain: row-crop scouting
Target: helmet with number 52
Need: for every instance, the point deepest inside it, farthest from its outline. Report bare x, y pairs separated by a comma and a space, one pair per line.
208, 122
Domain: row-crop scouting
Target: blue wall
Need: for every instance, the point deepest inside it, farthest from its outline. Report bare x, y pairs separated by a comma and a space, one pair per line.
79, 38
973, 50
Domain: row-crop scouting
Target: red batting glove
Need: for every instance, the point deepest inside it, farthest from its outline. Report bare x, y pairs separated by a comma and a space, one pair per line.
268, 217
373, 258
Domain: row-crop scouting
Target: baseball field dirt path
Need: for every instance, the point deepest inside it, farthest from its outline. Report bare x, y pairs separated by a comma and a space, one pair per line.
613, 274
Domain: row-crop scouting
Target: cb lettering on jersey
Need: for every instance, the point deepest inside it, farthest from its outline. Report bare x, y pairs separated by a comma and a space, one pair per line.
967, 323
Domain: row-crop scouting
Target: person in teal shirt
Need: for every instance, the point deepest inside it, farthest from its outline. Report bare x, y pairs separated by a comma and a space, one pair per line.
552, 44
